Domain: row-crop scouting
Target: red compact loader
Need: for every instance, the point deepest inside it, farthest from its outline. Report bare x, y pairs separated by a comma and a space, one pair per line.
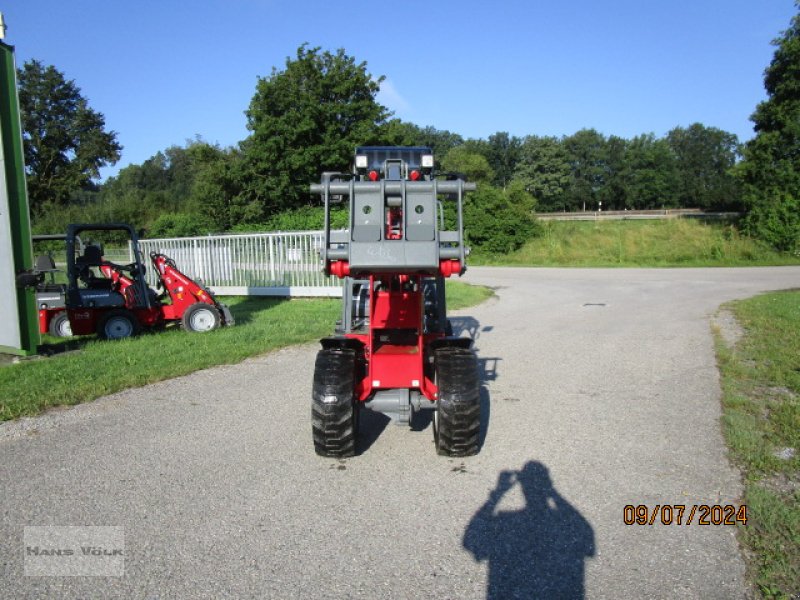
114, 300
394, 351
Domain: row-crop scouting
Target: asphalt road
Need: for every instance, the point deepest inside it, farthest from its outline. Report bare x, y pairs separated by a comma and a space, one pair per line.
600, 390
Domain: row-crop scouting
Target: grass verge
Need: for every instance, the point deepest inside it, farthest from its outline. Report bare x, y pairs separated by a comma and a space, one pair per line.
761, 414
639, 243
91, 368
462, 295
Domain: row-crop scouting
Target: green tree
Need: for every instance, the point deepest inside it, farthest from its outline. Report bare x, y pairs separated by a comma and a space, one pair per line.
461, 160
586, 152
65, 140
180, 225
400, 133
217, 192
770, 171
306, 119
705, 157
651, 177
503, 154
615, 193
172, 182
396, 132
439, 140
544, 171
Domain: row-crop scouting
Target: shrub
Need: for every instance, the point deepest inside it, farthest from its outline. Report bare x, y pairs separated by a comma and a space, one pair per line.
180, 225
499, 220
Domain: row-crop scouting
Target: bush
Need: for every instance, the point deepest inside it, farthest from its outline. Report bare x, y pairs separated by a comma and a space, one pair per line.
306, 218
776, 220
499, 220
180, 225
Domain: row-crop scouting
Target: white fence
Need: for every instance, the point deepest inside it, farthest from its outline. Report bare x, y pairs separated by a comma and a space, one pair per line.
253, 264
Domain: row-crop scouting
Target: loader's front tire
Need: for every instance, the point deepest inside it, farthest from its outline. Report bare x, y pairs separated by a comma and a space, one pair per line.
200, 317
334, 415
457, 421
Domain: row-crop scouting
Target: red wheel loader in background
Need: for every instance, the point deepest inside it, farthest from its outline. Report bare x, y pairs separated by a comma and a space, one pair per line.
394, 351
114, 300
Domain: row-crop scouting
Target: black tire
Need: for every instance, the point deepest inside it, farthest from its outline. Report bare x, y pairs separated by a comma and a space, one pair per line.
117, 324
200, 317
457, 421
334, 415
60, 325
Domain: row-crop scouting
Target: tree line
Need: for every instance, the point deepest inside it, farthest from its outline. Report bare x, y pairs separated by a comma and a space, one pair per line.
309, 116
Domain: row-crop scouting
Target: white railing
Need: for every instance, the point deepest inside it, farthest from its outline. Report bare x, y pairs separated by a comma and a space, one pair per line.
251, 264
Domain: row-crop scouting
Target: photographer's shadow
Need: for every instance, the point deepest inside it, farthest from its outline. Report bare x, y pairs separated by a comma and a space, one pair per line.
536, 552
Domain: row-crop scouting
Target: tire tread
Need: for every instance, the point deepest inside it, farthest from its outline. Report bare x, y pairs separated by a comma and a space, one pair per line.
459, 409
333, 424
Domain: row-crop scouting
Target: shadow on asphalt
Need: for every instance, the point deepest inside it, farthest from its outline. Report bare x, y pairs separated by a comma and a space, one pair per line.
370, 427
485, 416
468, 325
538, 551
488, 368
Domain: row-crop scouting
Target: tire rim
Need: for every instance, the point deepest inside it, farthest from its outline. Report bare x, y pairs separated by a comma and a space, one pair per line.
65, 328
118, 328
202, 320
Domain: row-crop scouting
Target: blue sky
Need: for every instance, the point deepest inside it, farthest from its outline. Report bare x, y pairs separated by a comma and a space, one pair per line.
163, 72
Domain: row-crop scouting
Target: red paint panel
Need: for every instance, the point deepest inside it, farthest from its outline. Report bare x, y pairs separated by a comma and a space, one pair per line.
397, 310
82, 320
396, 370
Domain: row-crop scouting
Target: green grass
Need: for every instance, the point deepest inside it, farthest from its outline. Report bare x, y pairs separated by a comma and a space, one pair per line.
91, 368
461, 295
639, 243
761, 404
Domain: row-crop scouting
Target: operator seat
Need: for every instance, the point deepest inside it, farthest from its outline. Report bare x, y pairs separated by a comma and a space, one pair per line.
92, 257
43, 264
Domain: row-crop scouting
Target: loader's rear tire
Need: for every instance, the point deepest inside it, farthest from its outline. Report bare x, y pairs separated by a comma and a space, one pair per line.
457, 421
200, 317
60, 325
334, 415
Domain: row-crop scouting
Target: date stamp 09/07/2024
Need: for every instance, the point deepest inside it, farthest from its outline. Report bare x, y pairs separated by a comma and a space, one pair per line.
685, 514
